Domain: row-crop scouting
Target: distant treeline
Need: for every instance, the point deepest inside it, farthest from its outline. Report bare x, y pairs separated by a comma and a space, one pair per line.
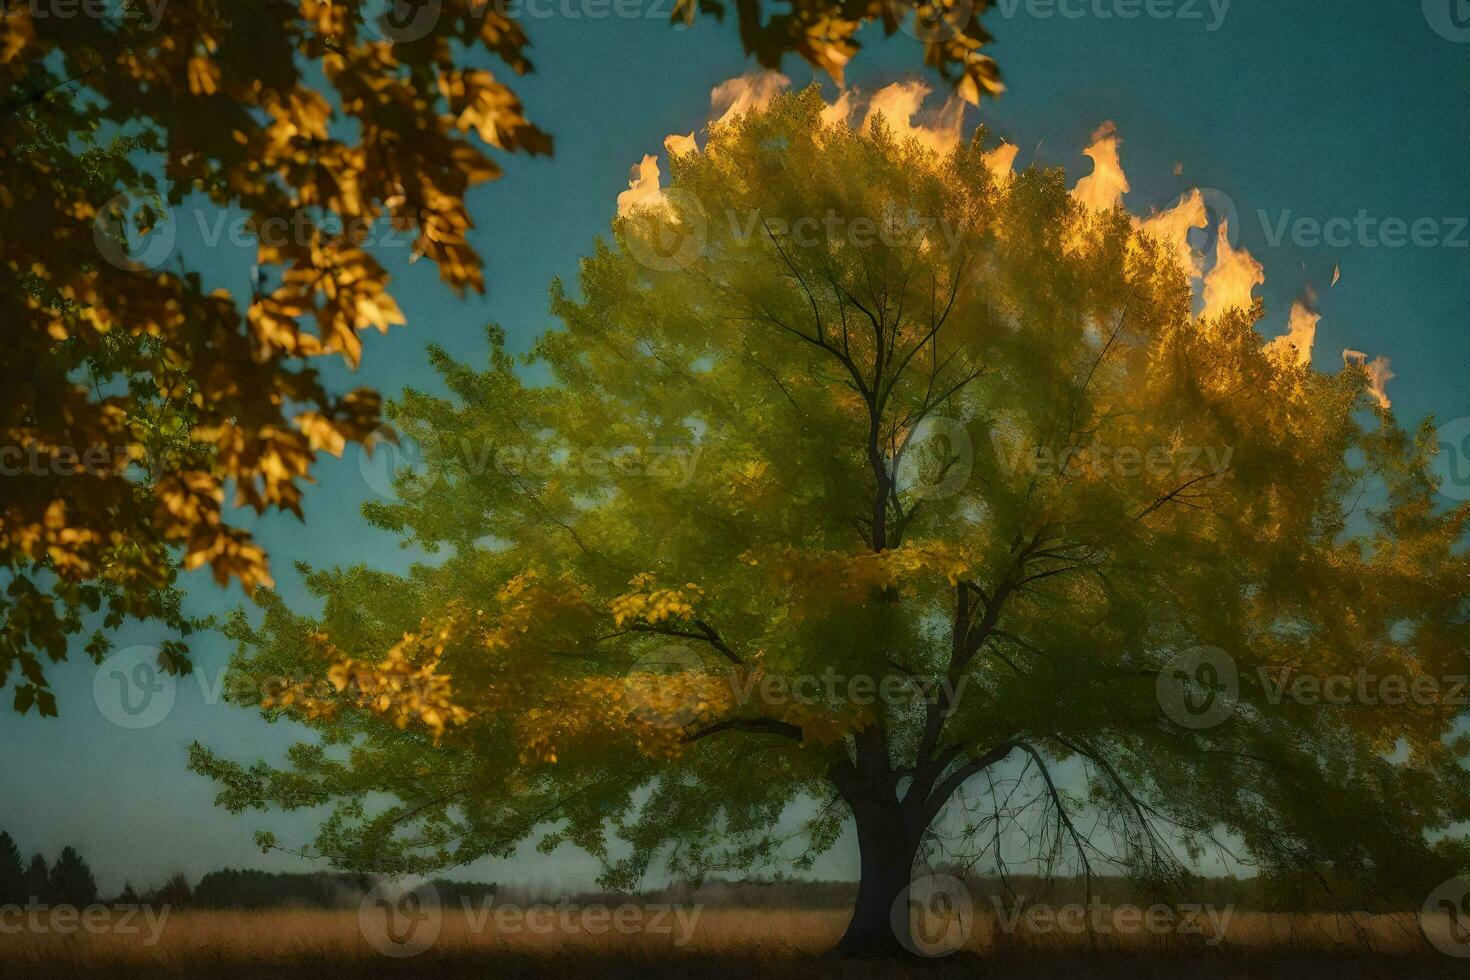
231, 889
1304, 893
66, 881
69, 881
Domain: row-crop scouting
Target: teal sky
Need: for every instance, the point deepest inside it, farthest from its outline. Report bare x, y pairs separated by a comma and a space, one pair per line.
1317, 108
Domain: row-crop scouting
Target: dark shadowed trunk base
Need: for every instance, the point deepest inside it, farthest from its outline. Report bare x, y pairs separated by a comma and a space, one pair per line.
880, 917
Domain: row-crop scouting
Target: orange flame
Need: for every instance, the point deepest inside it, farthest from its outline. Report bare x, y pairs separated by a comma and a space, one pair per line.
750, 92
1001, 161
677, 146
1379, 374
642, 189
1235, 275
1103, 189
838, 112
1172, 227
899, 103
1301, 333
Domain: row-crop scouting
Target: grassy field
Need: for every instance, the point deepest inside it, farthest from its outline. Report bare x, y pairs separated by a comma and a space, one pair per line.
723, 943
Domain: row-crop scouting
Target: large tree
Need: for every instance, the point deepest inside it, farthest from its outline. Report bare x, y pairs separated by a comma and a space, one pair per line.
900, 423
134, 395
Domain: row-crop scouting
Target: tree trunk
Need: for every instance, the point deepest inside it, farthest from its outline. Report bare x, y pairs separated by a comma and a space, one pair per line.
887, 846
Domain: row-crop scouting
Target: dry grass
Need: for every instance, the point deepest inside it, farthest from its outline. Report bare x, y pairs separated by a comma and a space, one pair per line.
725, 942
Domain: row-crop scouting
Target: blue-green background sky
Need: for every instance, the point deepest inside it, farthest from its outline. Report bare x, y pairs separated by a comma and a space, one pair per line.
1320, 107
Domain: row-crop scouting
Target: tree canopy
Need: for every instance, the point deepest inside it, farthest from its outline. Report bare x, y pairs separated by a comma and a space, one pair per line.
950, 436
136, 396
